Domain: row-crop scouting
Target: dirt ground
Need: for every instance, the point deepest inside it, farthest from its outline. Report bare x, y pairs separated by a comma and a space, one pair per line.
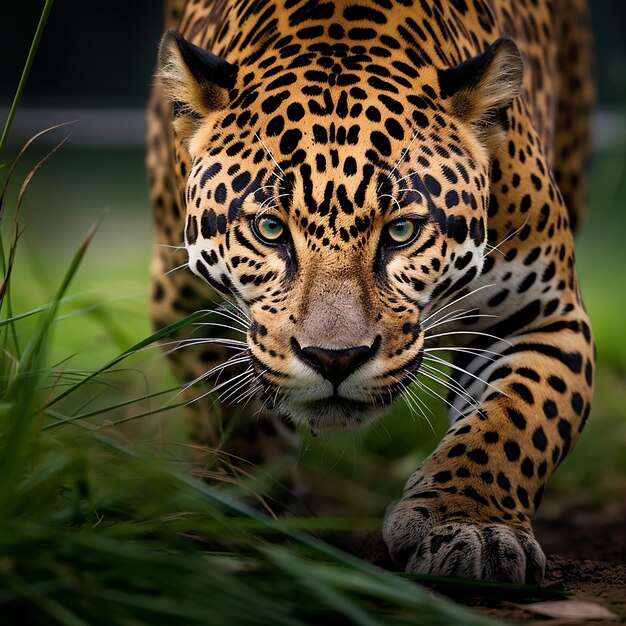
586, 553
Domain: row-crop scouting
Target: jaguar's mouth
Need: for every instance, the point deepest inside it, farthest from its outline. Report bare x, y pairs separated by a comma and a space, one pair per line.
334, 410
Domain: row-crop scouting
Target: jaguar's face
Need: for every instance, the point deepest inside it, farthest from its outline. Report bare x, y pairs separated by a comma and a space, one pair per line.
338, 217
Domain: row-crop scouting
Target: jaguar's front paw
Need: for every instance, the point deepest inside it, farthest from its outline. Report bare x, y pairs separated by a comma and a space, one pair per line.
420, 543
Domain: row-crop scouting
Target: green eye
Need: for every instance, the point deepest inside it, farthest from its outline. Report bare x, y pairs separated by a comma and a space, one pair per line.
270, 229
401, 232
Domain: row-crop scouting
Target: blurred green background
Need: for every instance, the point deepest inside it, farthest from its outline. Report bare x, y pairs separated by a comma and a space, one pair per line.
95, 65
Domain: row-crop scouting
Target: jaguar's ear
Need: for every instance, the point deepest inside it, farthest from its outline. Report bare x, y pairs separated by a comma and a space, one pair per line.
194, 80
482, 88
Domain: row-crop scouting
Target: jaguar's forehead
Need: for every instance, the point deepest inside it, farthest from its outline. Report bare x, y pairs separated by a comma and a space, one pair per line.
334, 148
370, 106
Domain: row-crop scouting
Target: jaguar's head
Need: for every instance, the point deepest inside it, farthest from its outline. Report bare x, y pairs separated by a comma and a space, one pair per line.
339, 197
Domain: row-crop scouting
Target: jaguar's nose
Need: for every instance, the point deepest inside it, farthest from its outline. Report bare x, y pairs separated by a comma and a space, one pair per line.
335, 365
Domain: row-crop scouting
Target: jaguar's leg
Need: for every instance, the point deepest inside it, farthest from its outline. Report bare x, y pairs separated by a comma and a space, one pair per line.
466, 511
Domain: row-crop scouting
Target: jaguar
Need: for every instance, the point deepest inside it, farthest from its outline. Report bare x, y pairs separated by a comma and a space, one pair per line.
384, 191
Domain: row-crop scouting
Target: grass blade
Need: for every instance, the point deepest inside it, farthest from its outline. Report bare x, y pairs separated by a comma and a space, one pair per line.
30, 59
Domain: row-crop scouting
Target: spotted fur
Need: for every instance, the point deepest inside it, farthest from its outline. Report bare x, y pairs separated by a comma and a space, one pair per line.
465, 123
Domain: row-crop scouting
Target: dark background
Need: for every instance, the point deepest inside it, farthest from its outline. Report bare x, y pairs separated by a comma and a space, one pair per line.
101, 53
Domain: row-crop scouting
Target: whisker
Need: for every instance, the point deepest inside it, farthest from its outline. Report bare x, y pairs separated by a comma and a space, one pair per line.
430, 391
418, 403
222, 385
174, 269
226, 326
241, 386
252, 392
407, 190
166, 245
399, 180
253, 384
272, 187
233, 318
271, 199
497, 246
474, 351
402, 157
467, 295
491, 249
269, 152
388, 195
404, 395
235, 309
436, 359
467, 332
453, 385
459, 318
233, 360
187, 343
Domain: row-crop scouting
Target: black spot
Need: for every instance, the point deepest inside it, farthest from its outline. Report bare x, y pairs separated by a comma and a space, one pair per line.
522, 496
550, 409
457, 450
394, 129
491, 436
508, 502
191, 232
381, 143
220, 193
501, 372
528, 468
519, 421
356, 12
503, 481
289, 141
372, 114
452, 199
273, 102
362, 34
275, 126
457, 228
523, 392
577, 402
487, 477
209, 173
433, 186
528, 373
240, 182
512, 450
540, 441
349, 166
479, 456
558, 384
565, 429
442, 477
208, 223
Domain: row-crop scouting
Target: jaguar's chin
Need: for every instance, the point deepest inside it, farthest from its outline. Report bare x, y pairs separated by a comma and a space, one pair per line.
334, 411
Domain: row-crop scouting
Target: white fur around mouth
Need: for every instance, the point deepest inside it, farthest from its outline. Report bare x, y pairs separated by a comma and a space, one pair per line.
331, 411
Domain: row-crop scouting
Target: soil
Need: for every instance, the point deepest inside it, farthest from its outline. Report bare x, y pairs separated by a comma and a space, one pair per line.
586, 556
586, 553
